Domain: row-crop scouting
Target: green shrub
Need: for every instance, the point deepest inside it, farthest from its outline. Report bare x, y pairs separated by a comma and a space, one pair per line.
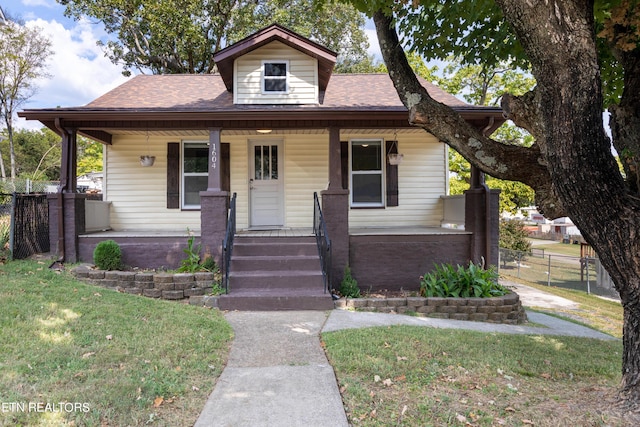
107, 255
191, 263
349, 285
461, 282
209, 264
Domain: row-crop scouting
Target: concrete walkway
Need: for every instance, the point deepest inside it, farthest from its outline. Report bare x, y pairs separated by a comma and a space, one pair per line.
278, 374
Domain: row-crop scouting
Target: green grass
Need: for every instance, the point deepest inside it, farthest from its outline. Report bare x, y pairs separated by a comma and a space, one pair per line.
599, 313
560, 248
128, 360
412, 376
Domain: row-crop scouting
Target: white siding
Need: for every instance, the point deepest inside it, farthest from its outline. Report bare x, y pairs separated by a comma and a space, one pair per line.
303, 76
306, 171
139, 194
421, 182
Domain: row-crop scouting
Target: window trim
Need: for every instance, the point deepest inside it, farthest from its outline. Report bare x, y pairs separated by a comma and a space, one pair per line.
183, 174
264, 78
380, 172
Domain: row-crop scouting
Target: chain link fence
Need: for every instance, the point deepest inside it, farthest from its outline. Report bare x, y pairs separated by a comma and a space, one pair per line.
583, 274
27, 186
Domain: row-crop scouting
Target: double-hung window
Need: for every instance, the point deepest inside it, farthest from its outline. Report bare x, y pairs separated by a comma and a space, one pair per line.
367, 173
275, 76
195, 171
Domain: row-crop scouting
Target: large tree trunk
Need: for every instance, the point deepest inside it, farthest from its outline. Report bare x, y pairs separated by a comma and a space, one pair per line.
570, 167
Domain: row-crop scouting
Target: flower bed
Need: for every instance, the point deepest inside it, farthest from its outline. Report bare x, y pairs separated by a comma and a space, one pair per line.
504, 309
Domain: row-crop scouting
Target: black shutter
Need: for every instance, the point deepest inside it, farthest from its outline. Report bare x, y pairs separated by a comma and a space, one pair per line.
344, 164
173, 175
225, 165
392, 175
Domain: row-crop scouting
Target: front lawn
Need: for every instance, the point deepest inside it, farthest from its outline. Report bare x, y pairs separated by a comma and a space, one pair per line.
75, 354
417, 376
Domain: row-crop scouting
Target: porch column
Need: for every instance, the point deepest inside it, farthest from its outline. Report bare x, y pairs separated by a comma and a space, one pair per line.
482, 218
214, 203
67, 213
335, 208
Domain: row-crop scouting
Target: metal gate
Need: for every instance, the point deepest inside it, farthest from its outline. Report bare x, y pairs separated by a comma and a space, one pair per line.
29, 232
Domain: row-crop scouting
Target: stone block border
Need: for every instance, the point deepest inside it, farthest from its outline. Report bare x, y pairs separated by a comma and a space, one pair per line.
169, 286
196, 287
505, 309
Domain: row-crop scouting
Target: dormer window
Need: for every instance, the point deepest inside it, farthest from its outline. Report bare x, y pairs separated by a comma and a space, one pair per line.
275, 76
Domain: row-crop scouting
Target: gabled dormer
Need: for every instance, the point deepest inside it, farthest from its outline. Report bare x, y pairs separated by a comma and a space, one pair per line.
275, 66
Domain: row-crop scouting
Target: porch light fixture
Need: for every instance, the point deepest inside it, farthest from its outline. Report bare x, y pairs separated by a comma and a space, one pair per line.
263, 131
394, 158
147, 160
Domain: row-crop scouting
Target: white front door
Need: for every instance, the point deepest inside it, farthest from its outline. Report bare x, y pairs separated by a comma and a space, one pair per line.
266, 184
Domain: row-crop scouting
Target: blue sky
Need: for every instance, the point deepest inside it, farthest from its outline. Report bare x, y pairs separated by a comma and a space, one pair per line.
78, 68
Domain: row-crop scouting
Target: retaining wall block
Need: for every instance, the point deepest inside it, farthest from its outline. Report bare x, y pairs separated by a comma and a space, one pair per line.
165, 286
427, 309
377, 302
416, 301
437, 301
459, 316
478, 302
183, 278
495, 302
447, 309
396, 302
189, 292
152, 293
163, 278
478, 317
96, 274
144, 277
172, 295
356, 303
211, 301
197, 300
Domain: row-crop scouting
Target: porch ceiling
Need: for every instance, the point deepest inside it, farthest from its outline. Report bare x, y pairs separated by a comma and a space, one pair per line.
205, 133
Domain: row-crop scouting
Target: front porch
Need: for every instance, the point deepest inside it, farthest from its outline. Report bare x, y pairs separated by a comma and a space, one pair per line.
390, 258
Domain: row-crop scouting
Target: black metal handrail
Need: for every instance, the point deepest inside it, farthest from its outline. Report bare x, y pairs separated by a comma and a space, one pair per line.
227, 243
323, 242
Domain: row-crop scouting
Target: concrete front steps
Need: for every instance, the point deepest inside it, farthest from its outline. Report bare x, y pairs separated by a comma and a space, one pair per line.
275, 273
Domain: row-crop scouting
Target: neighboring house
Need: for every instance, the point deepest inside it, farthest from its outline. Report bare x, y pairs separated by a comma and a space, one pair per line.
274, 126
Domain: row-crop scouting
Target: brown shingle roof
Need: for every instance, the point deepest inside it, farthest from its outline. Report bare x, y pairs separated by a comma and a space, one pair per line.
208, 93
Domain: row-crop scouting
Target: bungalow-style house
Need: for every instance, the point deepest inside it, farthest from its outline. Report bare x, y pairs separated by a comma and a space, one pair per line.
251, 146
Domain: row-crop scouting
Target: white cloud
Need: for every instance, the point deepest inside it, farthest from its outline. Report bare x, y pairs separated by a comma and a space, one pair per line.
45, 3
79, 70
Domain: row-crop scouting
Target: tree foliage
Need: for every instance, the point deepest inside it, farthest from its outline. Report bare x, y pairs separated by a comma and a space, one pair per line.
24, 52
584, 55
181, 36
38, 154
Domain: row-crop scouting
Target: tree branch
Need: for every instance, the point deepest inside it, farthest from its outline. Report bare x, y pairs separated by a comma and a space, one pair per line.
502, 161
